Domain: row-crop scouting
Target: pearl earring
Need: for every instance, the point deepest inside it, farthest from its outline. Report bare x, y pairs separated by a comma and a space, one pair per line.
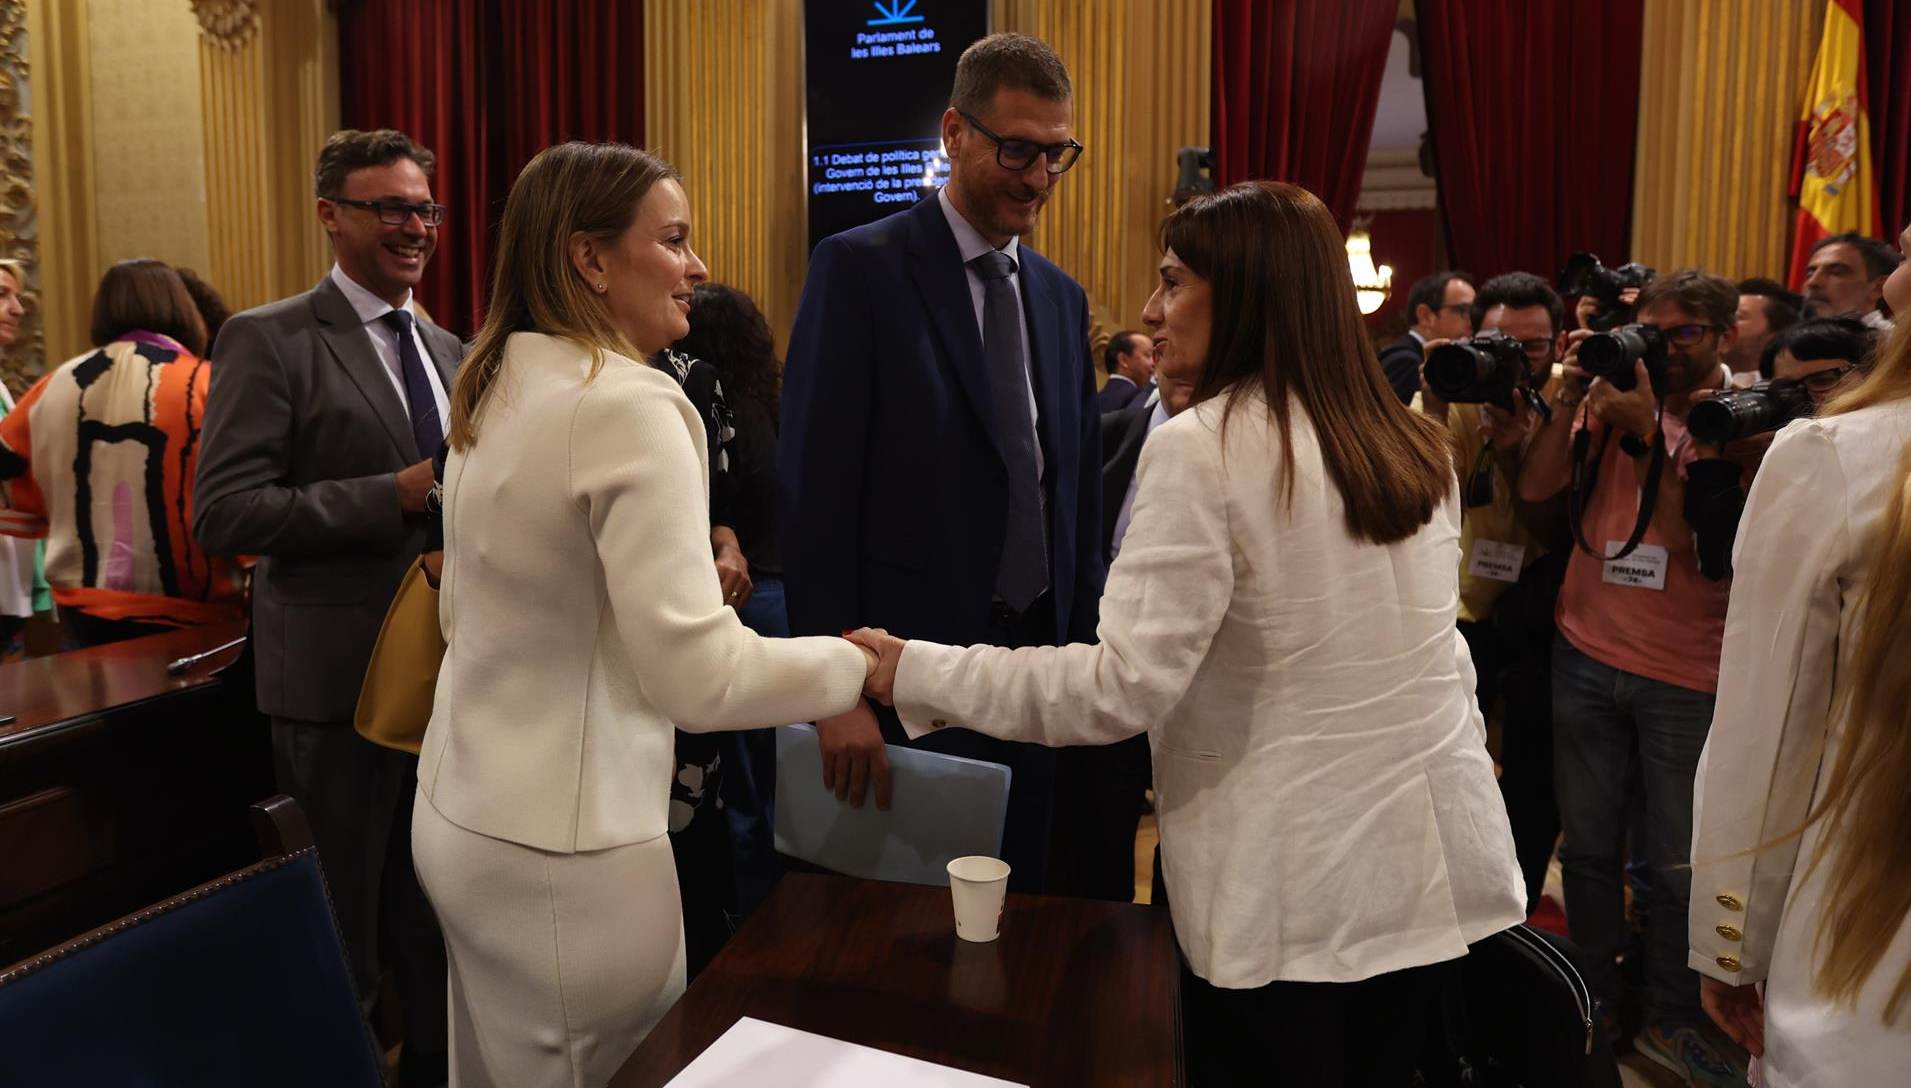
601, 288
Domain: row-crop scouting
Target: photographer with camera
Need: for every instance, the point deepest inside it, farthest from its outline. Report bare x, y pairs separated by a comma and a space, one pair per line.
1490, 392
1803, 367
1635, 667
1606, 295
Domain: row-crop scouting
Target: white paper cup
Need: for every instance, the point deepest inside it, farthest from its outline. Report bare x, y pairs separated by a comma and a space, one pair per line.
978, 884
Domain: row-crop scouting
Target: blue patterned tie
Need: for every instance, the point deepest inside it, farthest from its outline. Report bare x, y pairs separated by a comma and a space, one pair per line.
1024, 570
426, 428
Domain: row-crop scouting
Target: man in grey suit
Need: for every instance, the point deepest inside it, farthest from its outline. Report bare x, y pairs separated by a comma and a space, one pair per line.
324, 414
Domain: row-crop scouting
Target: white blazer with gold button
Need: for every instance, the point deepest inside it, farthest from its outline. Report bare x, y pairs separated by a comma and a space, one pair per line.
1326, 802
1798, 570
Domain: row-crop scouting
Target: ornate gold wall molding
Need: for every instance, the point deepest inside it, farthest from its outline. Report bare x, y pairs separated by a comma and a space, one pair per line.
62, 156
723, 102
270, 101
1719, 87
230, 23
19, 234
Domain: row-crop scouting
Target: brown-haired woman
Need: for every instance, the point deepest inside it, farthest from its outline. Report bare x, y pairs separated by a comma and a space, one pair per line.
1281, 622
99, 457
582, 617
1813, 731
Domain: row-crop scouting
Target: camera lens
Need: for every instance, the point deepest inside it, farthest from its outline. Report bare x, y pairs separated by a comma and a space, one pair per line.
1454, 369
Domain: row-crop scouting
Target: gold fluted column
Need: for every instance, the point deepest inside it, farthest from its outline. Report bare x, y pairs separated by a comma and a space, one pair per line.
271, 97
723, 102
1720, 82
1140, 69
61, 109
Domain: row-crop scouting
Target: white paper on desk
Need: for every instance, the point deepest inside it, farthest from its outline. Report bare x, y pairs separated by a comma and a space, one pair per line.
758, 1054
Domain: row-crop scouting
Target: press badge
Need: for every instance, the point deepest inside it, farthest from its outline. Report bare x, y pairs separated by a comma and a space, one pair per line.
1500, 562
1643, 569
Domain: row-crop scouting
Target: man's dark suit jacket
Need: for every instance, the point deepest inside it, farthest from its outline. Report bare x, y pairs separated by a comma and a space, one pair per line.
1122, 434
1117, 395
303, 435
894, 494
1401, 360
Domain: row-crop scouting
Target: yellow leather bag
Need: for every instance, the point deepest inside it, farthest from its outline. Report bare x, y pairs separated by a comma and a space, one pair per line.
394, 705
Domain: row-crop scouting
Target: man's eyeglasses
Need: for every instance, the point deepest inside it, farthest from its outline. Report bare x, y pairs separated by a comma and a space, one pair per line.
1019, 155
394, 213
1684, 336
1537, 349
1824, 381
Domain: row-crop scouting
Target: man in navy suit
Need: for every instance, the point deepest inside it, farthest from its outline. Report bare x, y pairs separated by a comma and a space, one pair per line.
1130, 359
940, 449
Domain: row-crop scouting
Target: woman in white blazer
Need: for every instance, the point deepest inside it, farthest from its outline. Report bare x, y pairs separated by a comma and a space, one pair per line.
583, 619
1810, 732
1281, 623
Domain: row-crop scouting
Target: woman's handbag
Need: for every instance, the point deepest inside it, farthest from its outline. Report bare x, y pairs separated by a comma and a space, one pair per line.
394, 704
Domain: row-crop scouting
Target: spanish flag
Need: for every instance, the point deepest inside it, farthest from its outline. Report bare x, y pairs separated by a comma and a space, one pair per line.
1832, 172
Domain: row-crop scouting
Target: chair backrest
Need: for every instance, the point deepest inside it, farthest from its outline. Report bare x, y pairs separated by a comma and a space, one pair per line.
945, 807
240, 981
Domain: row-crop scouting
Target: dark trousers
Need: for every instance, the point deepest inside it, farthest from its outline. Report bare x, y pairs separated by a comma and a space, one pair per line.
1313, 1034
1513, 658
1025, 834
1603, 716
1099, 795
357, 797
749, 784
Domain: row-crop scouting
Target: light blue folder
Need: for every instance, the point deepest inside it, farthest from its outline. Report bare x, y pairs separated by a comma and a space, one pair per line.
945, 807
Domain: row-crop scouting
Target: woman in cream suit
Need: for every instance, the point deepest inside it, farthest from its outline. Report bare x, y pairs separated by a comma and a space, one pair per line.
1281, 623
583, 619
1810, 732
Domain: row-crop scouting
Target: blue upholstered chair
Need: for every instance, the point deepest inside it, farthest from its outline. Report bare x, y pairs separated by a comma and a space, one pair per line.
240, 981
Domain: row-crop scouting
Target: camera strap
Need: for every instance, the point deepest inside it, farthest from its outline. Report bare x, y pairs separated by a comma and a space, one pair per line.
1586, 477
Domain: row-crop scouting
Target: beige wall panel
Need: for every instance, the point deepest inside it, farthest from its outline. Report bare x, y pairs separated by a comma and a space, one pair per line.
148, 139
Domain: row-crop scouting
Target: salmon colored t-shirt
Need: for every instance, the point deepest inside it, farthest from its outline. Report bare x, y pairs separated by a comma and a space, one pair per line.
1672, 634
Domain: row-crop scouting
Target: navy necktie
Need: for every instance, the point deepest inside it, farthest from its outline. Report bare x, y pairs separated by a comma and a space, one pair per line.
1023, 573
426, 428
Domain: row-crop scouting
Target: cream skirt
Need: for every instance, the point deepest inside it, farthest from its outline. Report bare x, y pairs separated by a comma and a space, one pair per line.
560, 964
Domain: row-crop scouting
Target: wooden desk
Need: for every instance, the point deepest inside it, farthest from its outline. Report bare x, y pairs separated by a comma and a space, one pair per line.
121, 784
1074, 992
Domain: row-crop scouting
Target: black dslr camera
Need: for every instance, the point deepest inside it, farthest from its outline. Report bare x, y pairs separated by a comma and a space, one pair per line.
1584, 275
1743, 413
1610, 355
1491, 368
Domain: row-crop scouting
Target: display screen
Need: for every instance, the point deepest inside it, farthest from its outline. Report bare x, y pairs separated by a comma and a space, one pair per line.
877, 79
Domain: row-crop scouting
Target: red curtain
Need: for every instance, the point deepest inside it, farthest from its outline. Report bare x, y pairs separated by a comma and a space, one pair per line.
1295, 87
1887, 45
485, 84
1533, 107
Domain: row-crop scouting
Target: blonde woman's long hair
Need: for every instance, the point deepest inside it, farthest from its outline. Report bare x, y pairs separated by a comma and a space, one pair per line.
1866, 802
573, 188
